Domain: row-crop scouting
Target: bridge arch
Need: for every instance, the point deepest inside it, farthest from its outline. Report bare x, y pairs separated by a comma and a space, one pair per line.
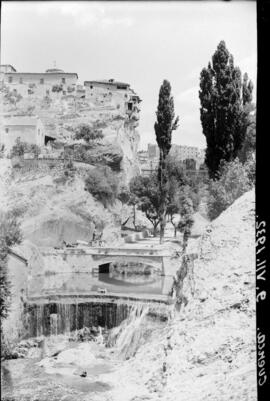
102, 264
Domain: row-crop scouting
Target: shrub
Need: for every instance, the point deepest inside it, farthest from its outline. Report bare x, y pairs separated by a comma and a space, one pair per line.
2, 150
20, 148
102, 184
57, 88
102, 154
233, 181
88, 133
10, 235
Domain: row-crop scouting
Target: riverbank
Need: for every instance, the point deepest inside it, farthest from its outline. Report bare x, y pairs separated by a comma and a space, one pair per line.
205, 353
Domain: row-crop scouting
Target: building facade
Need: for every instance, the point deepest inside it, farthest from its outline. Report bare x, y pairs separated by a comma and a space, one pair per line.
113, 93
191, 157
39, 84
28, 129
58, 100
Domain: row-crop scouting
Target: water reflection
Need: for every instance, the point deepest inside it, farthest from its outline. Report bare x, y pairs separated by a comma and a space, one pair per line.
85, 283
6, 378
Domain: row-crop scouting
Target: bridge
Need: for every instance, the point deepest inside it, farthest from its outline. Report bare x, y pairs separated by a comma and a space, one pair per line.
92, 259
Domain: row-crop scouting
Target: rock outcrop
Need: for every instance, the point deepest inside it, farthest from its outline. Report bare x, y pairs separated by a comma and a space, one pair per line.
62, 114
53, 209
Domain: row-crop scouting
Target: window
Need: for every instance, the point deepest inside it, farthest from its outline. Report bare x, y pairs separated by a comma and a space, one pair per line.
21, 80
10, 79
6, 129
91, 86
130, 106
63, 80
42, 81
38, 132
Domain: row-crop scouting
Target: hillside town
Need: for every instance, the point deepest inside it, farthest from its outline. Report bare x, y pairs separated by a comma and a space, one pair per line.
127, 203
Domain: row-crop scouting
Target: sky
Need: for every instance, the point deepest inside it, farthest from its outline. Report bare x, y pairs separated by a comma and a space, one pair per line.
141, 43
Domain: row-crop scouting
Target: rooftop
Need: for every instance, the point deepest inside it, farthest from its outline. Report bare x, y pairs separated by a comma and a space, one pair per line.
107, 81
21, 120
57, 72
8, 65
50, 70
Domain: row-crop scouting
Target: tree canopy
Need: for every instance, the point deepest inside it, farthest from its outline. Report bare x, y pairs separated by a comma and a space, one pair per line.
225, 99
146, 191
88, 133
165, 124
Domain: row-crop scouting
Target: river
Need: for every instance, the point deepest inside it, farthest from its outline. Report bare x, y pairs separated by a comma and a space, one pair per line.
63, 370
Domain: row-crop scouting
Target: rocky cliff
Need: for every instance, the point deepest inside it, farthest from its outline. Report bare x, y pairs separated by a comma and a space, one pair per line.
53, 209
62, 113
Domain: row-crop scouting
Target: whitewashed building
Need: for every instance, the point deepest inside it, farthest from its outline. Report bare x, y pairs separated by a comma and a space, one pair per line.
48, 83
28, 129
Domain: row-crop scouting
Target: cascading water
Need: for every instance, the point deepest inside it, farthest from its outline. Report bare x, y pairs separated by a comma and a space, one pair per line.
63, 318
131, 333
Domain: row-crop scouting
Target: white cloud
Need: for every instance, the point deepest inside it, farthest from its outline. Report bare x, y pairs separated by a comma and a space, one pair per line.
86, 13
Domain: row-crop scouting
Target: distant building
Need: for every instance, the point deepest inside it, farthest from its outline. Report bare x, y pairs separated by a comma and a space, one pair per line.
190, 157
28, 129
52, 81
187, 152
113, 93
143, 157
5, 68
109, 84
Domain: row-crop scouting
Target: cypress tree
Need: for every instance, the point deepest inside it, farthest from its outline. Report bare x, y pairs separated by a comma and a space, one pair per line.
164, 126
224, 113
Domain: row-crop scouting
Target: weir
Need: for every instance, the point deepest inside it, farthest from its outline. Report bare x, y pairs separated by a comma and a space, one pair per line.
52, 318
68, 294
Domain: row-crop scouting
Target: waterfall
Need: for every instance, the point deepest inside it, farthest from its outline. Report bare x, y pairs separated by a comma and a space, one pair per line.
127, 337
63, 318
126, 320
53, 323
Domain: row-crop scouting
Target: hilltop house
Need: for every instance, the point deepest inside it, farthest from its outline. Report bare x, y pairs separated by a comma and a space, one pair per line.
114, 93
52, 81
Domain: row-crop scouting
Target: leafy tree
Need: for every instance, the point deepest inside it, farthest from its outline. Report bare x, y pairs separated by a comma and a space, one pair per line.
181, 186
249, 145
88, 133
225, 101
21, 147
10, 235
57, 88
173, 206
164, 126
146, 192
233, 181
187, 221
102, 184
175, 170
